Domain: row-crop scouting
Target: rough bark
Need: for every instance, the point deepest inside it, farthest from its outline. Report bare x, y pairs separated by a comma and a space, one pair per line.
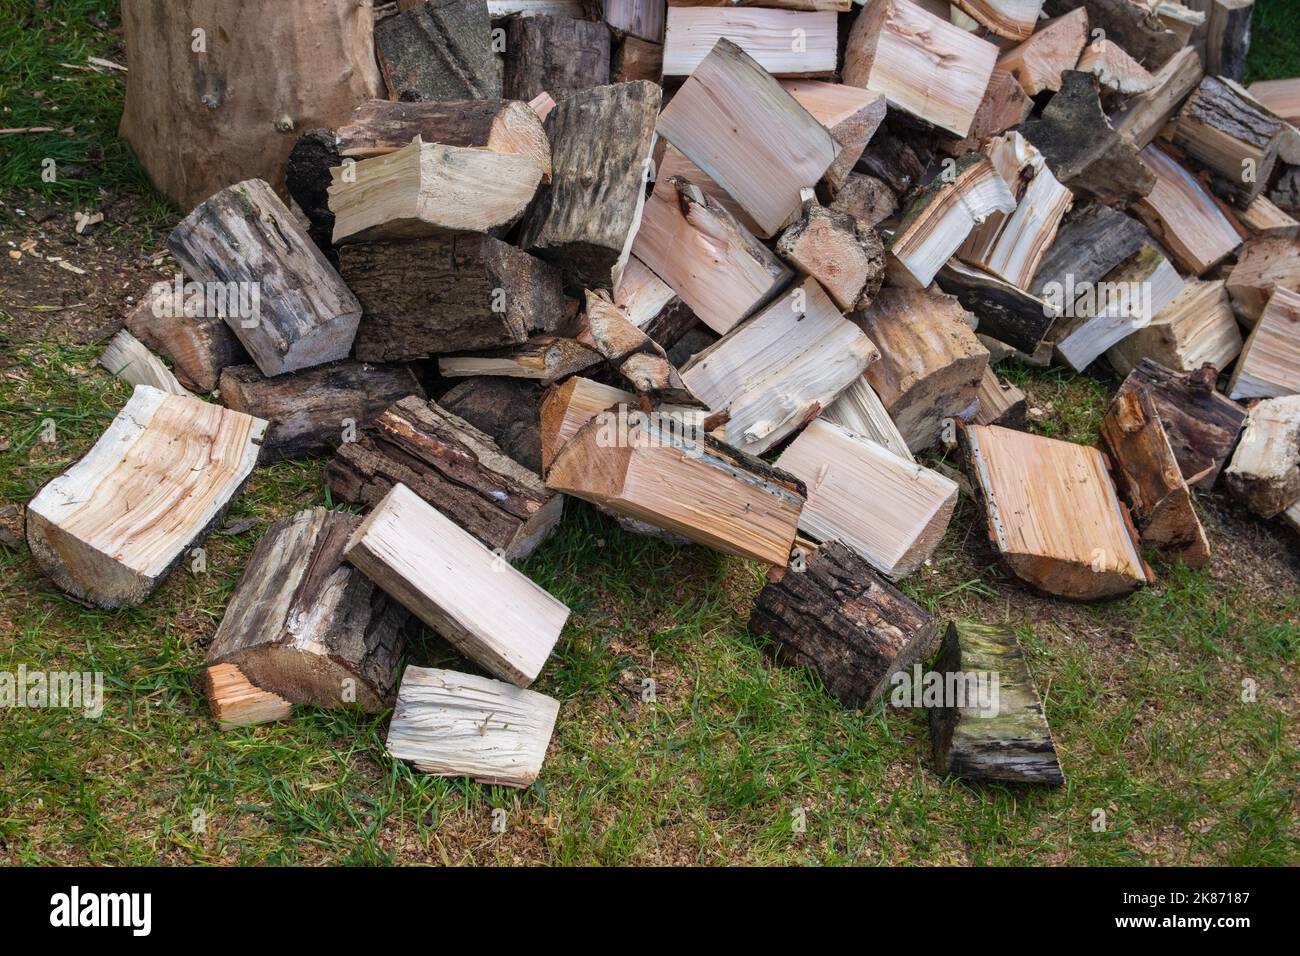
440, 50
555, 55
506, 409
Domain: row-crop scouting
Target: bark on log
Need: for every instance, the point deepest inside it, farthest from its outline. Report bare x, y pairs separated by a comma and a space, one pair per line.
440, 50
1265, 469
506, 409
845, 256
1230, 136
555, 55
198, 346
1004, 312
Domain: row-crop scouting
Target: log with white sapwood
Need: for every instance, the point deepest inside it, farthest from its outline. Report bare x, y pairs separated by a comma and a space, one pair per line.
672, 163
790, 43
1014, 19
235, 702
1196, 327
1269, 364
439, 50
1038, 62
543, 358
651, 304
199, 346
1263, 266
1265, 469
844, 255
127, 357
859, 410
852, 115
1183, 217
1115, 70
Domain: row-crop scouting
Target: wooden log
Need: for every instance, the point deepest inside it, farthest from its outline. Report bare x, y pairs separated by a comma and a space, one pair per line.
1149, 479
1015, 19
601, 141
127, 357
1263, 266
1038, 63
1144, 37
930, 361
1201, 423
1225, 36
652, 305
1053, 516
766, 36
889, 510
1008, 743
673, 164
1184, 219
1263, 218
1145, 115
921, 64
110, 528
303, 625
770, 375
209, 110
839, 618
1092, 241
859, 410
506, 409
486, 609
902, 155
199, 346
1011, 315
554, 55
1228, 135
543, 358
460, 725
845, 256
245, 239
378, 127
1005, 105
542, 104
499, 9
448, 293
1001, 403
637, 59
850, 114
1281, 97
439, 50
1265, 469
1269, 364
1196, 327
714, 120
1115, 70
314, 411
647, 467
638, 19
605, 327
866, 198
235, 702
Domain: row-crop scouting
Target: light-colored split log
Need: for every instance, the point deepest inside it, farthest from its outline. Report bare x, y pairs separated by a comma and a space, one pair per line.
1269, 364
859, 410
542, 104
1263, 266
1183, 217
1264, 219
127, 357
1038, 62
844, 255
768, 36
1114, 69
1265, 469
546, 358
1014, 19
1146, 115
852, 115
673, 163
198, 346
1196, 327
235, 702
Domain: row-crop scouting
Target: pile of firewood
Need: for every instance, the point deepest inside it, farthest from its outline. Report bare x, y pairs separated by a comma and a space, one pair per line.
633, 249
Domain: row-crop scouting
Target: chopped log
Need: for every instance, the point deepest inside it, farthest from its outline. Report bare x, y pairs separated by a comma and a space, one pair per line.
652, 305
852, 116
1225, 36
544, 358
460, 725
486, 609
673, 164
902, 155
1196, 327
1011, 744
938, 222
1144, 37
439, 50
305, 626
776, 371
1281, 97
1263, 218
1001, 403
1265, 469
605, 327
448, 293
427, 189
1115, 70
1228, 135
235, 702
842, 254
199, 346
647, 467
767, 36
1269, 364
922, 65
889, 510
314, 411
1014, 19
127, 357
1263, 266
542, 104
506, 409
110, 528
859, 410
930, 361
1183, 218
1039, 62
839, 618
1092, 241
554, 55
1149, 479
1201, 423
1053, 515
1145, 115
637, 59
763, 165
720, 270
244, 238
1011, 315
866, 198
601, 141
637, 19
1005, 105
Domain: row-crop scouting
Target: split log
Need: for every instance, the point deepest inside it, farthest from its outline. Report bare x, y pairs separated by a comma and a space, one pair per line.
1146, 38
378, 127
672, 164
305, 626
554, 55
1263, 266
839, 618
506, 409
762, 165
439, 50
455, 467
1196, 327
776, 371
566, 408
110, 528
1092, 241
1281, 97
1183, 217
314, 411
244, 237
930, 361
842, 254
199, 346
1013, 744
1201, 423
638, 19
922, 65
601, 141
1005, 105
1149, 479
1265, 469
850, 114
1018, 318
866, 198
1115, 70
542, 104
764, 34
486, 609
448, 293
460, 725
1227, 134
544, 358
1145, 115
126, 357
887, 509
1269, 364
605, 327
1263, 218
1001, 403
859, 410
1014, 19
652, 305
1225, 36
636, 59
1038, 63
1053, 515
645, 467
234, 702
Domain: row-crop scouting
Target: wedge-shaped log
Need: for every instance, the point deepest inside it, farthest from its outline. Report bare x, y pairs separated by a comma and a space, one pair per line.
1269, 364
1196, 327
111, 527
887, 509
852, 115
832, 613
1001, 403
1004, 312
245, 238
305, 626
1146, 114
1149, 479
1227, 134
554, 55
127, 357
440, 50
1053, 515
1265, 469
1007, 742
842, 254
860, 411
1115, 70
1014, 19
506, 409
484, 607
649, 468
651, 304
460, 725
234, 702
313, 412
605, 327
1183, 217
765, 35
776, 371
199, 346
544, 358
1263, 266
1038, 62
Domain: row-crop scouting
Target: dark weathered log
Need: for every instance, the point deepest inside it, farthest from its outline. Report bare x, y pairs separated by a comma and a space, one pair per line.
308, 180
866, 198
1224, 38
1225, 132
900, 155
1092, 241
1143, 36
637, 59
554, 55
831, 612
440, 50
314, 411
506, 409
1001, 403
1010, 315
307, 627
199, 345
